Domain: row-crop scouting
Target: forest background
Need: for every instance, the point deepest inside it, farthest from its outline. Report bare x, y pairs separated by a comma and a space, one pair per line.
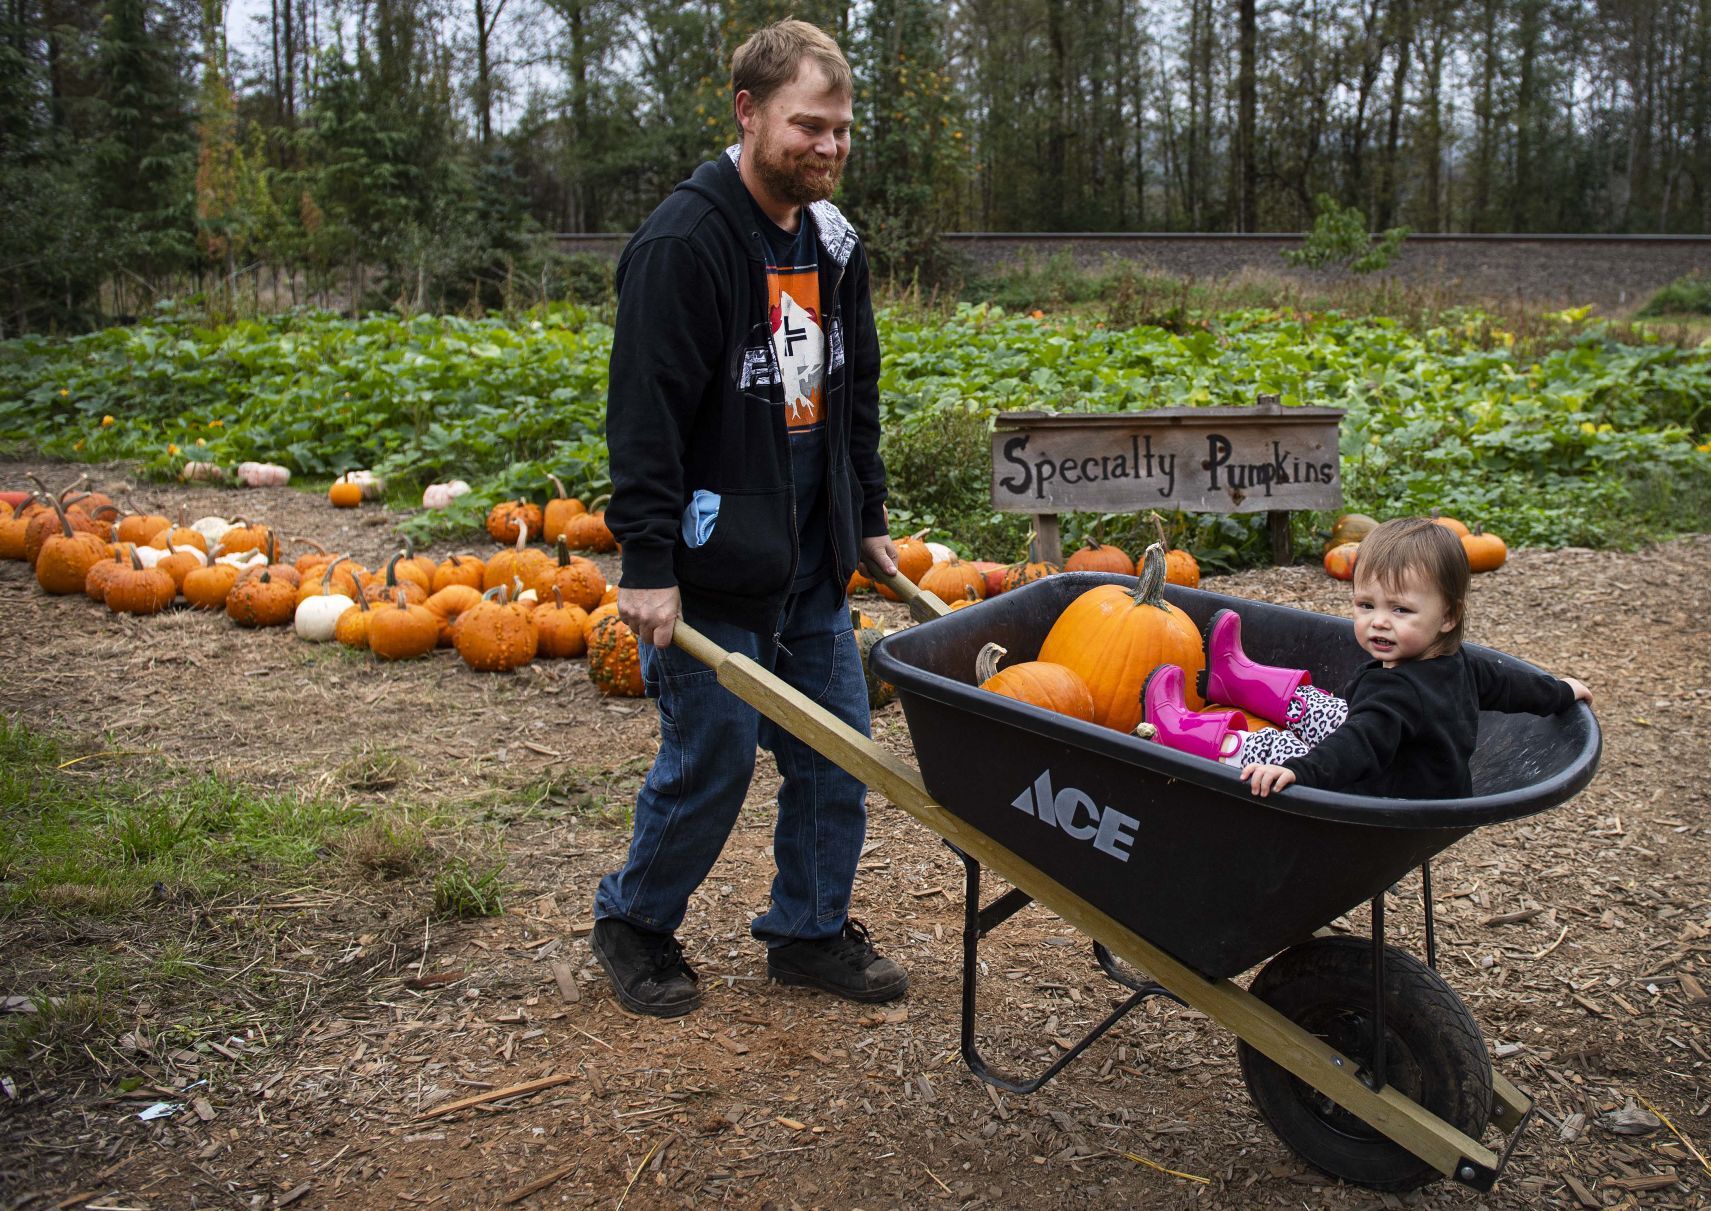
415, 153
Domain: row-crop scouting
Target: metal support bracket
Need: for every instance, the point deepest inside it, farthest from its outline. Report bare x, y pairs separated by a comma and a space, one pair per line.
977, 922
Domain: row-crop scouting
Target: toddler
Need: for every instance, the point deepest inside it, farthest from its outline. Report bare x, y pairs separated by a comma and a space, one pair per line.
1406, 724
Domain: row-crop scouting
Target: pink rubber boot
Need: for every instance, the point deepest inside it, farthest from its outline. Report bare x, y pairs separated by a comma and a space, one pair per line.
1209, 734
1231, 679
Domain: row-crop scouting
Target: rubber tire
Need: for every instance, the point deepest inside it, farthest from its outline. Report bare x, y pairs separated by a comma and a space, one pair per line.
1435, 1055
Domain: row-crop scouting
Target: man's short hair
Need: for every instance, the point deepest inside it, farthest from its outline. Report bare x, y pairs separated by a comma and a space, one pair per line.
773, 55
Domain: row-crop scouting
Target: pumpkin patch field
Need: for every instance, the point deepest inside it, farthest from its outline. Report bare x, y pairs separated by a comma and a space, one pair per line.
285, 923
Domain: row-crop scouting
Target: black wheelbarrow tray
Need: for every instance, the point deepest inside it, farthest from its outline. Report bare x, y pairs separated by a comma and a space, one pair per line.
1357, 1054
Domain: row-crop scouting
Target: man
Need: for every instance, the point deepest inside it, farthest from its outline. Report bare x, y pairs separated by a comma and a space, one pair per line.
743, 423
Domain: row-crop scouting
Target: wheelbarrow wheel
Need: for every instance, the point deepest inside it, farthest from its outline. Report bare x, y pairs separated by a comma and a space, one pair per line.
1434, 1054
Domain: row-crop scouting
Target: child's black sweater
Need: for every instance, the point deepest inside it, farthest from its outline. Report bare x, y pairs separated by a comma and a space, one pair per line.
1411, 729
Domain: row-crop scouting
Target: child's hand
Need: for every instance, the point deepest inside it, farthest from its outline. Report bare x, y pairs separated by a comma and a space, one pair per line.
1581, 693
1267, 778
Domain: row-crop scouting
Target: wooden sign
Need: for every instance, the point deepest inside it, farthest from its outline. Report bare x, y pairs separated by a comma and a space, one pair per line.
1203, 460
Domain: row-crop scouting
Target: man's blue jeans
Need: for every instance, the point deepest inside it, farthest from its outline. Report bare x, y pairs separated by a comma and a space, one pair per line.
707, 740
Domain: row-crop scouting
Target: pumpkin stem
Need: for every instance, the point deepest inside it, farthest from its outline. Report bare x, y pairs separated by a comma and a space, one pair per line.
594, 505
327, 576
986, 662
496, 593
69, 488
309, 542
522, 524
64, 521
563, 552
361, 597
558, 597
918, 535
135, 562
559, 484
1158, 524
1149, 585
392, 570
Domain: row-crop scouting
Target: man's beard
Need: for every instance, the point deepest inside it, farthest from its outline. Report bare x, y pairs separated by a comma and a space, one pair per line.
794, 182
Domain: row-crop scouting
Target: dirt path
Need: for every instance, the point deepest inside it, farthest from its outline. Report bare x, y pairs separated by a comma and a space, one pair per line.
769, 1096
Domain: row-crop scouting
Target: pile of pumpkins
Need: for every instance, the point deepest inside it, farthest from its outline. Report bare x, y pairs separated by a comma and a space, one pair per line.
1072, 675
1098, 654
498, 613
1485, 552
959, 583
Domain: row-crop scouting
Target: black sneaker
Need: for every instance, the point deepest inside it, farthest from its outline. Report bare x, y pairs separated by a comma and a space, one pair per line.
647, 969
846, 966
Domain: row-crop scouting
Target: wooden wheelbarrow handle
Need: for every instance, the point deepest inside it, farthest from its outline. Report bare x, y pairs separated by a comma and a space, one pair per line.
923, 606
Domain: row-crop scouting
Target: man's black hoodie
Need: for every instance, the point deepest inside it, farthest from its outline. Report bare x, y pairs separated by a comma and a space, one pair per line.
696, 402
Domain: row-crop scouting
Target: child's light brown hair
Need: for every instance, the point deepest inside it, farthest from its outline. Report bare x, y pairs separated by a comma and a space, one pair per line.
1419, 549
773, 55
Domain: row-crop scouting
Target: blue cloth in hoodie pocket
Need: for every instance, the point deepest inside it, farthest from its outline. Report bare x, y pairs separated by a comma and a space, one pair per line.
699, 516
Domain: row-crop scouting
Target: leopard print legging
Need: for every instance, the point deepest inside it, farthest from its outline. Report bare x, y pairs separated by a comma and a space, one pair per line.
1313, 715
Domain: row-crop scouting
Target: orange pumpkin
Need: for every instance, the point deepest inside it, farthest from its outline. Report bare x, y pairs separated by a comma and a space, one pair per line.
1114, 637
953, 580
141, 527
1451, 524
495, 636
914, 560
580, 579
1040, 683
1030, 569
595, 617
589, 532
63, 563
464, 569
558, 628
1180, 567
450, 604
1485, 552
1098, 557
510, 519
1340, 560
102, 571
262, 600
614, 659
343, 493
403, 630
207, 588
351, 630
560, 509
139, 590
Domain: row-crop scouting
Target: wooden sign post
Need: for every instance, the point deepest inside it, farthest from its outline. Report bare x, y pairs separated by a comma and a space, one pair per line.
1205, 460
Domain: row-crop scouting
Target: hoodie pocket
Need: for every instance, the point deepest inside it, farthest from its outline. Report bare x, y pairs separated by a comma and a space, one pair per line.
751, 549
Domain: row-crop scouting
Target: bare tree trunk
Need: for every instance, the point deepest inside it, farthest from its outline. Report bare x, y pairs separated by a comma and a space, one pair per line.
1246, 210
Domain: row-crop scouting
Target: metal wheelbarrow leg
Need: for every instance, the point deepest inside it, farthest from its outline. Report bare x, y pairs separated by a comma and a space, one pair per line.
1449, 1151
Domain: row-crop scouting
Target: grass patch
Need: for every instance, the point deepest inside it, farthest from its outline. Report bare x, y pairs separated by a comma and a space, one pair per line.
126, 894
388, 847
463, 891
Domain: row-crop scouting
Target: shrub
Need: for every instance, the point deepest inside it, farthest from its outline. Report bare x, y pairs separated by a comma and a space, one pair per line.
1339, 237
1688, 295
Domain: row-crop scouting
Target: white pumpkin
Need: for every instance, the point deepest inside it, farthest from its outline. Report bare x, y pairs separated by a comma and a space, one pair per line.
263, 475
149, 556
318, 616
438, 496
243, 559
194, 471
941, 553
373, 486
211, 528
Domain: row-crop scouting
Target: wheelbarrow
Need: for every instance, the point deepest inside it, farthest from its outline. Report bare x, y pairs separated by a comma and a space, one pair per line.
1357, 1054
